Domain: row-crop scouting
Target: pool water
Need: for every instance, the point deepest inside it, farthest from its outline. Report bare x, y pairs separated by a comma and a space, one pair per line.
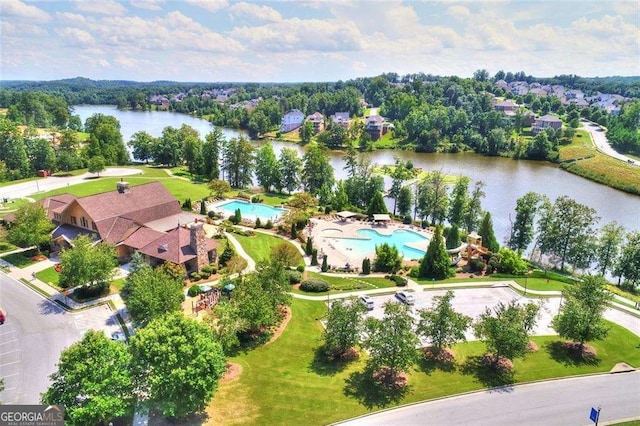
252, 210
368, 239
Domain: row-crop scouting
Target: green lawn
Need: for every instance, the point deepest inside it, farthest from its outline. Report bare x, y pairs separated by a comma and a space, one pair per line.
20, 260
339, 284
289, 367
5, 246
260, 245
12, 206
49, 276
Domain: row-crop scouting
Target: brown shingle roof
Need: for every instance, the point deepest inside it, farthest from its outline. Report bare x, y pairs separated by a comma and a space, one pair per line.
142, 203
142, 237
174, 246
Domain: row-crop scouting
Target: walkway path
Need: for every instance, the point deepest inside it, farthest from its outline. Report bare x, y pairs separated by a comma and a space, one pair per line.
599, 138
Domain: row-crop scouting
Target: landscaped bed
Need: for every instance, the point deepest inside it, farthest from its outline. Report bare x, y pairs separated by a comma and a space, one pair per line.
22, 259
290, 366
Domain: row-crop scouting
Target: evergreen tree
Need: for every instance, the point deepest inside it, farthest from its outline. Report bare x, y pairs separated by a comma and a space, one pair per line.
453, 237
314, 257
487, 234
309, 247
366, 266
435, 263
203, 206
376, 206
325, 266
294, 231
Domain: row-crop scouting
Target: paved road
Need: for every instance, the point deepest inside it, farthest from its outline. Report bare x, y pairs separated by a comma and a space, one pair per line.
34, 335
50, 183
599, 137
561, 402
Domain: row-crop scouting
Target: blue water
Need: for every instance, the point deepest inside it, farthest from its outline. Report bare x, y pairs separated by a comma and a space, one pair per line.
252, 210
370, 238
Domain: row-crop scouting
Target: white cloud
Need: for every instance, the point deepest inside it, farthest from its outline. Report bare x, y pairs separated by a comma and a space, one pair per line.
147, 4
75, 36
103, 7
255, 12
458, 11
70, 18
18, 9
22, 29
211, 5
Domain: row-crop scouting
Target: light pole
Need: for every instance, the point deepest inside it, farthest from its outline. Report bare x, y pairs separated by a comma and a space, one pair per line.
525, 285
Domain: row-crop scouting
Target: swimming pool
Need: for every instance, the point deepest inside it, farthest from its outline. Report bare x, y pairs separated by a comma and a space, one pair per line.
252, 210
368, 239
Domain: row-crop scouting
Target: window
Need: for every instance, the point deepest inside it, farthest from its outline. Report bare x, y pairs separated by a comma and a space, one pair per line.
93, 225
74, 221
83, 222
56, 216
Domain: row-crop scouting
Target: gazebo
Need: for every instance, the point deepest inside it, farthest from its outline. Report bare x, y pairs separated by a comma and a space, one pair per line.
381, 218
346, 214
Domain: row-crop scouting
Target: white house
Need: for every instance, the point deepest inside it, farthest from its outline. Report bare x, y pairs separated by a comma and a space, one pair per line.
291, 120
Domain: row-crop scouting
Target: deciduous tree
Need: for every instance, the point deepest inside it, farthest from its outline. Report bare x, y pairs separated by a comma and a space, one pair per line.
441, 324
290, 168
580, 317
344, 327
628, 265
96, 164
608, 246
176, 366
387, 258
522, 231
92, 381
86, 264
31, 227
267, 168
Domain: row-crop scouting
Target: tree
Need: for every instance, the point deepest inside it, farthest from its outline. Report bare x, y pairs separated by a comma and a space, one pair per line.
522, 231
628, 265
105, 139
487, 234
191, 149
366, 266
580, 317
505, 329
226, 324
219, 188
459, 201
12, 149
453, 238
474, 207
344, 327
566, 230
376, 205
86, 264
168, 149
608, 246
510, 262
31, 227
267, 168
303, 201
398, 176
176, 366
387, 258
150, 293
306, 132
391, 342
441, 323
92, 381
308, 246
325, 266
432, 198
317, 170
286, 254
238, 162
405, 200
436, 264
142, 145
97, 164
540, 148
40, 154
290, 167
255, 308
213, 142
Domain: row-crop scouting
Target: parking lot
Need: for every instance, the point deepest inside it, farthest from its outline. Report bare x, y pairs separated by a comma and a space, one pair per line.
472, 302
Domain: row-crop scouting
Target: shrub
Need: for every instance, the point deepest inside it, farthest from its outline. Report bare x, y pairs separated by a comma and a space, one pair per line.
309, 247
258, 223
314, 257
400, 281
187, 204
324, 266
407, 220
300, 268
414, 271
213, 268
268, 225
314, 285
204, 275
256, 199
88, 292
211, 214
194, 290
327, 210
294, 231
475, 265
206, 269
294, 277
366, 266
424, 224
195, 276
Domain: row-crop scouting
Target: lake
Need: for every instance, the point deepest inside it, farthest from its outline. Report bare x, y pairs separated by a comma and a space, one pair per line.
505, 179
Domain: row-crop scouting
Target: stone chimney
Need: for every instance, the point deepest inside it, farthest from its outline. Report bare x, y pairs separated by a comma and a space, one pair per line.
122, 187
198, 242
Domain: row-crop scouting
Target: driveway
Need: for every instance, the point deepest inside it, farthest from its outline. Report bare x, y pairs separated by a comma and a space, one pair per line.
551, 403
599, 137
24, 189
34, 335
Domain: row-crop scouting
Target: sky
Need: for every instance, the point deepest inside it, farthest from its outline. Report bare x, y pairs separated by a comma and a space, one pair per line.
314, 40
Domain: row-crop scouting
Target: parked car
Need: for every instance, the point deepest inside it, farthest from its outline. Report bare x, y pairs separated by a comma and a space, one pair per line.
3, 317
366, 301
405, 297
118, 336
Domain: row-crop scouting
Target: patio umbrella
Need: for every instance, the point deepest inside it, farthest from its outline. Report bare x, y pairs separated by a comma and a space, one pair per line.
229, 287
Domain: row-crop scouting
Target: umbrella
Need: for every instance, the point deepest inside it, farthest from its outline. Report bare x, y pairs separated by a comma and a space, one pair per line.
229, 287
205, 288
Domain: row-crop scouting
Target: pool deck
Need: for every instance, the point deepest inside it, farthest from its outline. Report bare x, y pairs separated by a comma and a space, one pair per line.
322, 230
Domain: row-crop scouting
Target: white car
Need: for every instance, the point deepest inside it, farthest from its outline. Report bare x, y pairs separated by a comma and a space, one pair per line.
405, 297
118, 336
366, 301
